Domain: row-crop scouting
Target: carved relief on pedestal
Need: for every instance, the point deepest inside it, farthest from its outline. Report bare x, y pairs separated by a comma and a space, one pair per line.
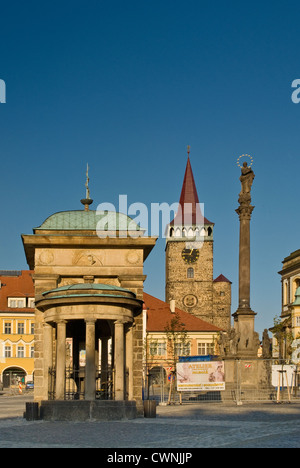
46, 257
133, 258
86, 258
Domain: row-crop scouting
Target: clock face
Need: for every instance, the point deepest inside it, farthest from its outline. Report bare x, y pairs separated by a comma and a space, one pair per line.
190, 255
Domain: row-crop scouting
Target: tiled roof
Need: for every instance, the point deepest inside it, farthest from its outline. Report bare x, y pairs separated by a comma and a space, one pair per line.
221, 279
15, 286
190, 212
159, 317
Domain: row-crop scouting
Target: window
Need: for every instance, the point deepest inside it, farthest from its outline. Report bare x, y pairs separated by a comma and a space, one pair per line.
20, 351
182, 349
285, 293
32, 328
32, 351
190, 272
158, 349
297, 321
7, 351
31, 302
205, 348
21, 328
7, 328
161, 349
17, 302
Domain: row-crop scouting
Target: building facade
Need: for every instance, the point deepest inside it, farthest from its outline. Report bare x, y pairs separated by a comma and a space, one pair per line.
189, 262
16, 328
289, 329
290, 282
170, 332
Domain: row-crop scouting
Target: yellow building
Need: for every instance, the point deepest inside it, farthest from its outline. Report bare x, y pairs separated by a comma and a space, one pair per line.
290, 280
16, 328
295, 314
170, 332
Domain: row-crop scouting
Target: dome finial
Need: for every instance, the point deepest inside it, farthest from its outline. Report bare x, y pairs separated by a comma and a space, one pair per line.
87, 201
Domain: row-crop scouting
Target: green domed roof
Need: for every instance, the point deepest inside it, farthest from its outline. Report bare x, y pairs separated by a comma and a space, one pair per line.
89, 220
89, 286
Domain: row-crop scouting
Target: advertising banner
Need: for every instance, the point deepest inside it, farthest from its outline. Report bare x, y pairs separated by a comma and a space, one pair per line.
198, 376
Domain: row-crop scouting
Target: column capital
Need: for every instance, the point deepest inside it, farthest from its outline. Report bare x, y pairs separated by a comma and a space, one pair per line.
61, 321
90, 320
120, 322
244, 211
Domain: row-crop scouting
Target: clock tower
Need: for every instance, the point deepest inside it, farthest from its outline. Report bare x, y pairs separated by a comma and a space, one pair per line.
189, 261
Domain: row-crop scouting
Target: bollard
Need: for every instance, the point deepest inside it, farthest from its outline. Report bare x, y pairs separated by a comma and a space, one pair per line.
32, 411
150, 409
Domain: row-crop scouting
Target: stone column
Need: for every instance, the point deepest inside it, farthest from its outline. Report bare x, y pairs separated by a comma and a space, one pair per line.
244, 213
90, 366
119, 360
244, 316
60, 360
129, 361
104, 363
48, 356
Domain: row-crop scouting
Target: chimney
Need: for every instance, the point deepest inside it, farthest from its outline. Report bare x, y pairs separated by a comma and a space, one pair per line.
172, 306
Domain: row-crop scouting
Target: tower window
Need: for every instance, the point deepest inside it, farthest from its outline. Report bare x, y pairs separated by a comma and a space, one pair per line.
190, 272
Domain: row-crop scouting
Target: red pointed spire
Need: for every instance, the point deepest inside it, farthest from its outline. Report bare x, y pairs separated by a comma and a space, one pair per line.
189, 211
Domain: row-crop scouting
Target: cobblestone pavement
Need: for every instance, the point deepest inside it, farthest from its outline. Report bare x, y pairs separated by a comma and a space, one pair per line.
175, 427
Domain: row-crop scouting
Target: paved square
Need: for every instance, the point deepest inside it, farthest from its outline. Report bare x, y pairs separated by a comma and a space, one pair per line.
202, 425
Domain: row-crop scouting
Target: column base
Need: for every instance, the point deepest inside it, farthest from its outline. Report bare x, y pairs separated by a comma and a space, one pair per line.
72, 410
244, 311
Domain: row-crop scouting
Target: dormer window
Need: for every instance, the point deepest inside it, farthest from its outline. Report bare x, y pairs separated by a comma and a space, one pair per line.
17, 302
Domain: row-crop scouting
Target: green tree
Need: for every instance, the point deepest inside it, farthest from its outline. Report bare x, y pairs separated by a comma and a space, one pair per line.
282, 332
178, 342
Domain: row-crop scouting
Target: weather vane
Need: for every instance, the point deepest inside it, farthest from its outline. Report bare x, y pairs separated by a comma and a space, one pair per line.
87, 200
188, 150
244, 156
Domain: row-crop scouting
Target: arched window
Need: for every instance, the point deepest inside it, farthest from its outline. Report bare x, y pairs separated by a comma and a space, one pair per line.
295, 285
285, 293
190, 272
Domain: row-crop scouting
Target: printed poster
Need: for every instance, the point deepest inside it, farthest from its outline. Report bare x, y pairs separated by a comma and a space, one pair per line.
198, 376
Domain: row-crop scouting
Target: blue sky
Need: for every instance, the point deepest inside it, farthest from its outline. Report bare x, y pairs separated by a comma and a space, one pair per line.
126, 86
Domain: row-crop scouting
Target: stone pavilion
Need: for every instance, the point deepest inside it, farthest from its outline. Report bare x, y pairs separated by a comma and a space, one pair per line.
88, 292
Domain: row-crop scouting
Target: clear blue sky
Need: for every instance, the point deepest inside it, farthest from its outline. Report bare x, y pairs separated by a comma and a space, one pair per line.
126, 86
